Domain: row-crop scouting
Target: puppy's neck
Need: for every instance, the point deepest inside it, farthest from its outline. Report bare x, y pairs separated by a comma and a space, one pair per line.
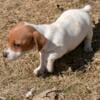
40, 28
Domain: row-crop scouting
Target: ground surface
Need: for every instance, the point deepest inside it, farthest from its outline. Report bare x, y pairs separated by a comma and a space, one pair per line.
16, 78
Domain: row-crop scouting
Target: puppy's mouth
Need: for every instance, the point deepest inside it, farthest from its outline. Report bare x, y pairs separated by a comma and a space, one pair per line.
9, 54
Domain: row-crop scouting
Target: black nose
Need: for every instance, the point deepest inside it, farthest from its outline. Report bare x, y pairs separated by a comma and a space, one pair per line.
5, 54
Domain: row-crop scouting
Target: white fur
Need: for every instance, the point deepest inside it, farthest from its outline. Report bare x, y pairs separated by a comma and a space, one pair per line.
12, 54
64, 35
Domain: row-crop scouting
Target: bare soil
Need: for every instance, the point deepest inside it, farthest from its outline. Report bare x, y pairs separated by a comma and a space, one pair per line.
77, 74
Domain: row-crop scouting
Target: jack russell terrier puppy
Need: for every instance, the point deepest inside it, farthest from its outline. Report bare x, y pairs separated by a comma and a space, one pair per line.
52, 40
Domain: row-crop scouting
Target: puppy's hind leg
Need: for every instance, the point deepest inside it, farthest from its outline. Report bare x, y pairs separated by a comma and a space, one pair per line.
88, 42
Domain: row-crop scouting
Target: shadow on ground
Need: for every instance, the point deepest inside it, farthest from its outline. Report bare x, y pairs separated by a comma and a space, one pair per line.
78, 59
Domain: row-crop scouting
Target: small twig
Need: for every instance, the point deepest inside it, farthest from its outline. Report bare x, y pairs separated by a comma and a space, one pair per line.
60, 8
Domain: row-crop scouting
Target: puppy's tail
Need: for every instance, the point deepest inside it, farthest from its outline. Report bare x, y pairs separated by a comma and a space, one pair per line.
87, 8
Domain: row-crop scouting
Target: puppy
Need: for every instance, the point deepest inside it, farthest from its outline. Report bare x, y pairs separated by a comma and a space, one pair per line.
52, 40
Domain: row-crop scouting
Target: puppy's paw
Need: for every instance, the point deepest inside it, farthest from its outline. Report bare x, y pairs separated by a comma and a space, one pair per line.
50, 69
39, 72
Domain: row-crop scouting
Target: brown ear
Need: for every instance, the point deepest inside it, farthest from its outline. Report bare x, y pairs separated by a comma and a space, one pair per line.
39, 39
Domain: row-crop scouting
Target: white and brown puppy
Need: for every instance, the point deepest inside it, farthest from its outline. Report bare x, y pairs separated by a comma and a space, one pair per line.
52, 40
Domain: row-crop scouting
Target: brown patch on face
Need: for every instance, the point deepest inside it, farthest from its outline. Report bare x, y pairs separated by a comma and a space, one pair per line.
23, 38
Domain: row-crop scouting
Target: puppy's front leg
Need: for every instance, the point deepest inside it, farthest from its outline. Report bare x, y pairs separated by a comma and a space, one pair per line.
50, 64
50, 61
41, 69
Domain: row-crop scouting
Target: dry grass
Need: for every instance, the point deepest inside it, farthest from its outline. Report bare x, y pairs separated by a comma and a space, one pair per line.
16, 78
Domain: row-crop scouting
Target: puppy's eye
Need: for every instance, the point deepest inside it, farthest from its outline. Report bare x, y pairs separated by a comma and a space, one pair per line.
15, 45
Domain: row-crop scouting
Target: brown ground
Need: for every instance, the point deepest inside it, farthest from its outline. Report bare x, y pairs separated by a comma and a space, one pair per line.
16, 78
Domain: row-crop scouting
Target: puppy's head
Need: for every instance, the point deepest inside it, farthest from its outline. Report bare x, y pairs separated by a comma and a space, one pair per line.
22, 38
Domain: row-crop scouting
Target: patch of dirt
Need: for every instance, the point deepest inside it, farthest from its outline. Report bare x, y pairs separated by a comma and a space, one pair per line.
77, 74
